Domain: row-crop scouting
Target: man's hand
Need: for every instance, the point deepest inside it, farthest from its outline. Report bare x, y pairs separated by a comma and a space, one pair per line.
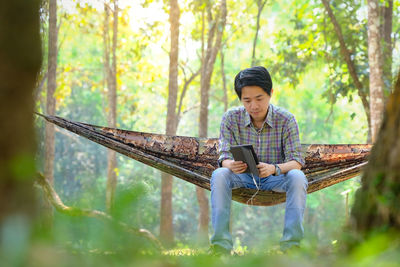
265, 169
235, 166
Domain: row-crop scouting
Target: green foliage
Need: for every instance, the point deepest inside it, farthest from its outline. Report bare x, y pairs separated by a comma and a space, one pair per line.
296, 43
311, 37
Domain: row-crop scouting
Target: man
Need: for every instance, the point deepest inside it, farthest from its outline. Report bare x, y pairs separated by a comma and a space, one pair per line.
274, 134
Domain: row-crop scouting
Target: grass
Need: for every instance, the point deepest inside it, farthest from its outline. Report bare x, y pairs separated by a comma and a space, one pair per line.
375, 252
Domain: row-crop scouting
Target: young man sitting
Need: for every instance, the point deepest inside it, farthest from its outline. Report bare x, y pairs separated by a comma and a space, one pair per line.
274, 134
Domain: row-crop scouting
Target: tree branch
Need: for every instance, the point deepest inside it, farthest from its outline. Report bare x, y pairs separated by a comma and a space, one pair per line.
185, 87
347, 57
56, 201
191, 108
260, 7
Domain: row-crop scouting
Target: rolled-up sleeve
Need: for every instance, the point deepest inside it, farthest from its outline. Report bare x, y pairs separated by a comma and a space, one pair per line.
291, 142
226, 139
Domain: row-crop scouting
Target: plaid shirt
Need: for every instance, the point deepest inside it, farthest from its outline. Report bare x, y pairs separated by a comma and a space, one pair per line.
276, 142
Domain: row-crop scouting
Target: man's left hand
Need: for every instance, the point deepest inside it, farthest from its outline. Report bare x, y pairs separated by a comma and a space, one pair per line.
265, 169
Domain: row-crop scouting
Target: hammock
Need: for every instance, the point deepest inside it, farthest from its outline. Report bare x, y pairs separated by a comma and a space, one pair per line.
194, 159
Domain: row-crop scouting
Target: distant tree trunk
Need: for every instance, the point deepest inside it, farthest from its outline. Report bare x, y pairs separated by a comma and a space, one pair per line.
216, 28
386, 31
376, 206
375, 68
20, 61
51, 105
225, 100
111, 78
260, 7
362, 92
166, 225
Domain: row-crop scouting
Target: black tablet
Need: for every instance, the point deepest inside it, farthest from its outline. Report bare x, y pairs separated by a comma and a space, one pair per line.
246, 154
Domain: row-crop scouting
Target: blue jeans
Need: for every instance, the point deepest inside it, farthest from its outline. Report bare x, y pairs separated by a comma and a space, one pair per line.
294, 183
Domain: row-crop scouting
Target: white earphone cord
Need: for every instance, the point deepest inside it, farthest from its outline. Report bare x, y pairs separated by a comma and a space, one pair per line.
258, 189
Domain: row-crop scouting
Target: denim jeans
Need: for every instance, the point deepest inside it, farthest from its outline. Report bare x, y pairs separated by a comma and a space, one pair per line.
294, 183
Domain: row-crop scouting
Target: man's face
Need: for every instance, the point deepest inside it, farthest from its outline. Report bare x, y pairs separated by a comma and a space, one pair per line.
256, 102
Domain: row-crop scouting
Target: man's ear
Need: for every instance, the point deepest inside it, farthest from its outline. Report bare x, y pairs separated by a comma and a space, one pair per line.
272, 90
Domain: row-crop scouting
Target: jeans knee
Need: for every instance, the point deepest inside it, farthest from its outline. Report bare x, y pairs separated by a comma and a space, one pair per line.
220, 176
297, 179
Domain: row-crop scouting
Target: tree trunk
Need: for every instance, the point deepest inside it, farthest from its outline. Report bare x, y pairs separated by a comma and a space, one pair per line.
111, 80
20, 60
166, 224
221, 53
375, 68
387, 46
376, 206
260, 7
215, 33
51, 105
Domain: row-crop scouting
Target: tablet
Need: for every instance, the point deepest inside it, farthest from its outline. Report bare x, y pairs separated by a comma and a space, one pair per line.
246, 154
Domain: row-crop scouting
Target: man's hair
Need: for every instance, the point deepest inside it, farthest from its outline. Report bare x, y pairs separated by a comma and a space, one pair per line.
258, 76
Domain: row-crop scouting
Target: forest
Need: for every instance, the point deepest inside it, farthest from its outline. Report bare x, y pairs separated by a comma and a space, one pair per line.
168, 68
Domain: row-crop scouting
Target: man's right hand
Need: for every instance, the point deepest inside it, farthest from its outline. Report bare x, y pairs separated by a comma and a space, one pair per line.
235, 166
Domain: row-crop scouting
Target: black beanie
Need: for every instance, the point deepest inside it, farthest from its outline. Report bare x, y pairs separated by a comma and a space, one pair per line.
258, 76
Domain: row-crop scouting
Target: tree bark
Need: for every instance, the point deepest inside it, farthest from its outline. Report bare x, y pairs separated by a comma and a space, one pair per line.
260, 7
387, 46
375, 68
376, 206
225, 99
166, 215
20, 61
111, 81
51, 104
362, 93
214, 38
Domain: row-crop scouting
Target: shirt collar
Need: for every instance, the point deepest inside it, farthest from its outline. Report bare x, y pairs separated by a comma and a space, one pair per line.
268, 118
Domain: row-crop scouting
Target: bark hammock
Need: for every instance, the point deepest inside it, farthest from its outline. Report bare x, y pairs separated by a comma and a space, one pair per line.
194, 159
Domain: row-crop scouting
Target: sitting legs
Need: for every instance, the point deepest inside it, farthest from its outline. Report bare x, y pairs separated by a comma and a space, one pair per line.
294, 183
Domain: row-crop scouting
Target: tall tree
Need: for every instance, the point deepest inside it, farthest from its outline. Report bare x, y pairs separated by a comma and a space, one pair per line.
19, 68
375, 67
376, 206
260, 7
346, 54
166, 226
50, 101
110, 67
216, 22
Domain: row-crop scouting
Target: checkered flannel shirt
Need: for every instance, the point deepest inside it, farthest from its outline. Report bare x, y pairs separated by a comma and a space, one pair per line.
276, 142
